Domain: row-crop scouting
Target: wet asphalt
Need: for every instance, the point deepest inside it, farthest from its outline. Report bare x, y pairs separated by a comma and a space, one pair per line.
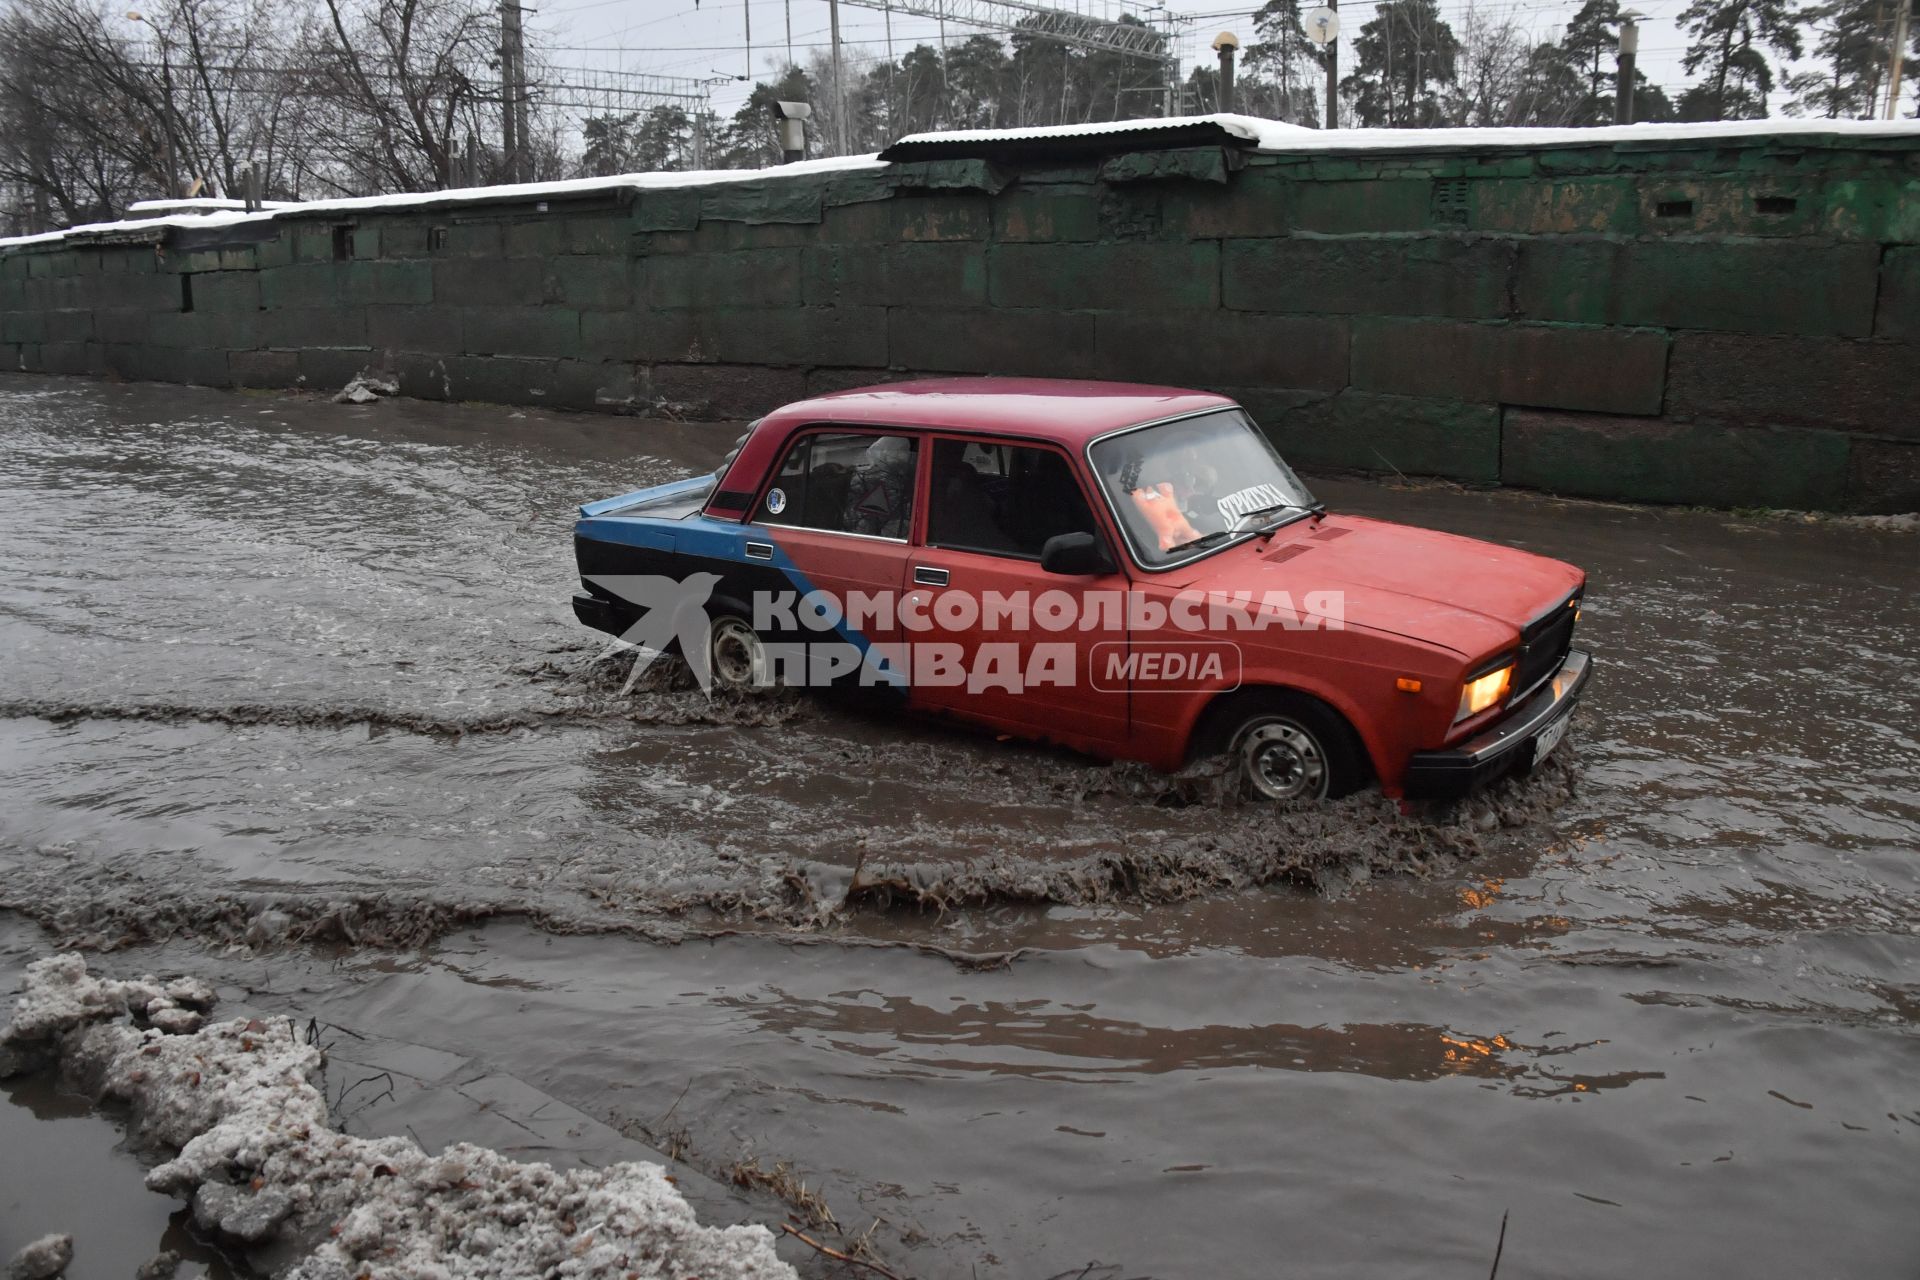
292, 697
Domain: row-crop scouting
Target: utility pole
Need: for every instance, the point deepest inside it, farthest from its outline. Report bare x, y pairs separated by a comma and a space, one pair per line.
513, 84
1623, 81
1897, 64
839, 81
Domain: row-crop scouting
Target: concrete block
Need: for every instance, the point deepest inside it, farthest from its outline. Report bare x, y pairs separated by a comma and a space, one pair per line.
1804, 382
1437, 275
389, 283
520, 331
1729, 286
1223, 349
475, 238
1143, 276
264, 368
951, 274
403, 239
1898, 314
601, 283
674, 335
667, 210
797, 335
120, 325
593, 386
295, 327
978, 340
227, 291
472, 282
941, 216
500, 379
822, 382
368, 240
743, 278
600, 236
1554, 366
1650, 460
1046, 215
1358, 430
1883, 477
305, 284
416, 328
1362, 208
24, 327
727, 391
68, 327
69, 358
542, 236
1536, 207
1883, 208
328, 369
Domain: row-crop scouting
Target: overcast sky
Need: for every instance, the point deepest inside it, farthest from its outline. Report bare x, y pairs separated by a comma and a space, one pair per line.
674, 38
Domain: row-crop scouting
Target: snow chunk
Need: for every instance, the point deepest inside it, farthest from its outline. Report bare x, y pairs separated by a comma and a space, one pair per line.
44, 1259
255, 1155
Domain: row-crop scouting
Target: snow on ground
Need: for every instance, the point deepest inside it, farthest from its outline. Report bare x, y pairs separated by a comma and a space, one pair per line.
239, 1103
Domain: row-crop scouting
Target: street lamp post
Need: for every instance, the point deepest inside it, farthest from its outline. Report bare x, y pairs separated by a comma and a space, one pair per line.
1623, 84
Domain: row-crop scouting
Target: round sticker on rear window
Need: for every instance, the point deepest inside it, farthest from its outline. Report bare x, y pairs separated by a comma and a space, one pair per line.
776, 500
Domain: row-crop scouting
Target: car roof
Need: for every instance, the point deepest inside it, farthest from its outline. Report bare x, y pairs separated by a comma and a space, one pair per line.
1068, 411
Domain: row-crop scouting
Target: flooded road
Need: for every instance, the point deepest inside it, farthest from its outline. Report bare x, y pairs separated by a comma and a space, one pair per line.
303, 678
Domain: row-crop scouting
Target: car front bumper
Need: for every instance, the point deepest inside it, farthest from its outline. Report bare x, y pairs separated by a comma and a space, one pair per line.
1510, 746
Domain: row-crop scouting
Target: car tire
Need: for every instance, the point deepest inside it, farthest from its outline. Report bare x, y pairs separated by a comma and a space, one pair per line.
1291, 749
736, 655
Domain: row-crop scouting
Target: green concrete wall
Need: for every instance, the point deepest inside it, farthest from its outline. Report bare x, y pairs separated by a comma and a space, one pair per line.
1733, 322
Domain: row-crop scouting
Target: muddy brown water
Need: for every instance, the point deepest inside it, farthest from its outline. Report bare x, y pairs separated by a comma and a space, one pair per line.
278, 667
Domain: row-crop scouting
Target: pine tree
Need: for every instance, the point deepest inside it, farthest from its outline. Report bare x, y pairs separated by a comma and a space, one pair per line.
1728, 51
1406, 61
1855, 41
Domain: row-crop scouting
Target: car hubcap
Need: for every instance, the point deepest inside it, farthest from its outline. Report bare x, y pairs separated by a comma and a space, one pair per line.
1283, 761
738, 656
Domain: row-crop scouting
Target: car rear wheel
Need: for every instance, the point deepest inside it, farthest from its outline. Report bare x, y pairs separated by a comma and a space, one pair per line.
1291, 749
736, 655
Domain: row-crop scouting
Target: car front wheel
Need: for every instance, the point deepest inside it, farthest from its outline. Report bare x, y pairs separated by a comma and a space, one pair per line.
1291, 749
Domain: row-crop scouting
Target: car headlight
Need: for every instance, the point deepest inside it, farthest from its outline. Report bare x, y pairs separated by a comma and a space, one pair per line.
1480, 693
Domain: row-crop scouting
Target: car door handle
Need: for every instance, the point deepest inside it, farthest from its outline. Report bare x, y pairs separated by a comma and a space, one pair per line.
759, 551
929, 577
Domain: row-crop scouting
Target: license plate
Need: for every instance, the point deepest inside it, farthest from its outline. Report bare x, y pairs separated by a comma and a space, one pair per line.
1550, 738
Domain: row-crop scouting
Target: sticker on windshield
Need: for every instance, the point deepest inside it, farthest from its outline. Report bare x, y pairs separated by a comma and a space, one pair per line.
776, 501
1260, 497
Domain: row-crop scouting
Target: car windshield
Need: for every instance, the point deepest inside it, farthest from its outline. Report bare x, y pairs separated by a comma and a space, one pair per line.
1184, 487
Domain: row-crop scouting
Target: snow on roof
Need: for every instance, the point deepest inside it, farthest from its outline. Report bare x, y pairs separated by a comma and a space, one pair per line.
1278, 136
518, 192
1246, 128
204, 204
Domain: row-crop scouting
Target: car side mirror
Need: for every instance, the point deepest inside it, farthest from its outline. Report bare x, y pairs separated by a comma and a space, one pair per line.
1075, 555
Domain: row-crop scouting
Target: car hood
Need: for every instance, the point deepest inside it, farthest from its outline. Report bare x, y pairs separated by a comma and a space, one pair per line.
1460, 593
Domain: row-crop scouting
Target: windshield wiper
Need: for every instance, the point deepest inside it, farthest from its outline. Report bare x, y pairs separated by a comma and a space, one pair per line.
1204, 540
1266, 511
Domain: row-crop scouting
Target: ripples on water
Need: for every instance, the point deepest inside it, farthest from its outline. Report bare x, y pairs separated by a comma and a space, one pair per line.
276, 650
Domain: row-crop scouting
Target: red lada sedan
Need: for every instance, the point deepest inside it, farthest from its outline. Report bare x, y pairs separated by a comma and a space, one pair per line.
1129, 571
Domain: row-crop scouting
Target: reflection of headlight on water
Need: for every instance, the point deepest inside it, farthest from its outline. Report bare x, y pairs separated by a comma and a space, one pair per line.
1477, 695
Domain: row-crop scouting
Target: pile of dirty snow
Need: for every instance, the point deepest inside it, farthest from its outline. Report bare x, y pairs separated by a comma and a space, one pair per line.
238, 1103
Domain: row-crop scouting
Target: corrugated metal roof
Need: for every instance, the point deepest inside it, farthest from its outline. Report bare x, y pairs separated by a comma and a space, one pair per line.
1112, 137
